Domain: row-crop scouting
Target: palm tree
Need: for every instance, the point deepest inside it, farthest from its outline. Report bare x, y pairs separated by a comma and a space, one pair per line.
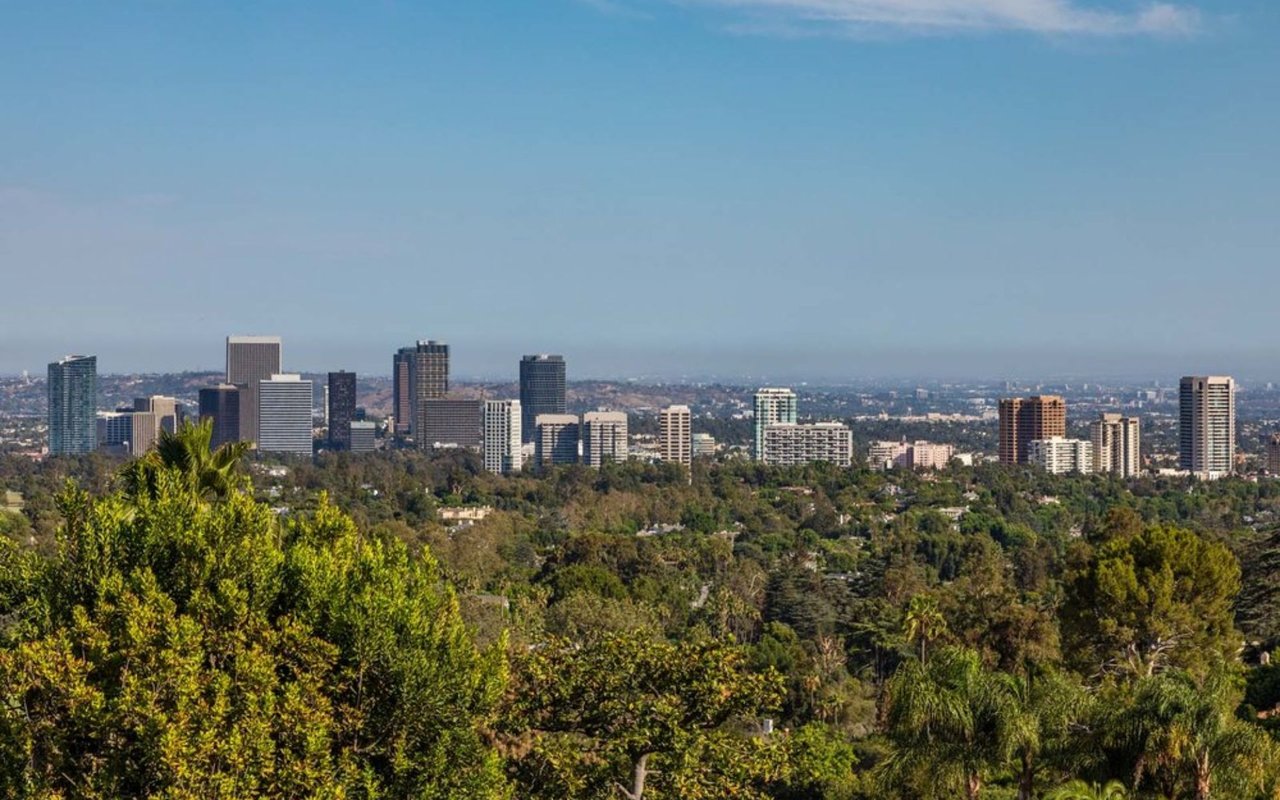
1080, 790
1044, 708
208, 472
1185, 732
924, 623
946, 719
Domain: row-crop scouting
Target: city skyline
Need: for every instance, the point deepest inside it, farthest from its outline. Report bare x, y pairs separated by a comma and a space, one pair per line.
898, 203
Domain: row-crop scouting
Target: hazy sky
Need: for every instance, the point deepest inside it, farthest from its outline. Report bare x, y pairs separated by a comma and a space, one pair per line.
777, 187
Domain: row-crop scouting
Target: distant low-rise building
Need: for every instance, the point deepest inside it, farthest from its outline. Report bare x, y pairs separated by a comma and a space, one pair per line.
889, 455
704, 444
792, 444
1060, 455
909, 455
363, 437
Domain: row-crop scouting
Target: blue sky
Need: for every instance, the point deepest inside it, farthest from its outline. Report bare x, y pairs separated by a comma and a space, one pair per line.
792, 188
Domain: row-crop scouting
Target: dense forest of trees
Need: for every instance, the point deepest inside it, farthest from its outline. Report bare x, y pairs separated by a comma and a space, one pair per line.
198, 625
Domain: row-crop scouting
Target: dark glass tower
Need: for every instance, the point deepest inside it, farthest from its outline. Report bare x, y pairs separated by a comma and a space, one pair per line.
342, 408
401, 390
541, 390
73, 402
222, 405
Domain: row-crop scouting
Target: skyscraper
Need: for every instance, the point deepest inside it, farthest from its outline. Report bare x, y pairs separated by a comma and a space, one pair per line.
1026, 419
73, 401
675, 435
1116, 445
168, 411
604, 437
772, 406
401, 390
502, 441
557, 439
541, 390
428, 380
342, 408
1207, 425
251, 359
222, 405
284, 415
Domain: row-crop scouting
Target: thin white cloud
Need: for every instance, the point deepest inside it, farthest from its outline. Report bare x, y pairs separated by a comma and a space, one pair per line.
943, 17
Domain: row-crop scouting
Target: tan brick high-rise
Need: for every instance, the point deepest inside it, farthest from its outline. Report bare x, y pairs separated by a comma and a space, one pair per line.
1025, 419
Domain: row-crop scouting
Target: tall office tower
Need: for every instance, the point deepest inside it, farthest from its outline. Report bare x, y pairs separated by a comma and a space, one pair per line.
251, 359
222, 405
401, 394
787, 444
1273, 454
428, 380
604, 437
168, 411
284, 415
145, 431
1060, 455
557, 439
73, 400
451, 422
1207, 425
772, 406
1116, 445
675, 435
1025, 419
502, 441
363, 436
341, 405
541, 390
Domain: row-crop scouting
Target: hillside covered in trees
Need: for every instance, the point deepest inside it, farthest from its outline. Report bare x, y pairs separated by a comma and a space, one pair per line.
396, 625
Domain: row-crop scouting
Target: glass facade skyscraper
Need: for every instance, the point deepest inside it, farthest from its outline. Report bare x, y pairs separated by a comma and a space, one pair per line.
541, 390
73, 400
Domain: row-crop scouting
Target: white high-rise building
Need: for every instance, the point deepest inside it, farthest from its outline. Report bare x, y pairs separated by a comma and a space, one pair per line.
284, 415
1060, 455
604, 437
675, 435
502, 453
787, 444
1116, 445
772, 406
556, 440
1207, 425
